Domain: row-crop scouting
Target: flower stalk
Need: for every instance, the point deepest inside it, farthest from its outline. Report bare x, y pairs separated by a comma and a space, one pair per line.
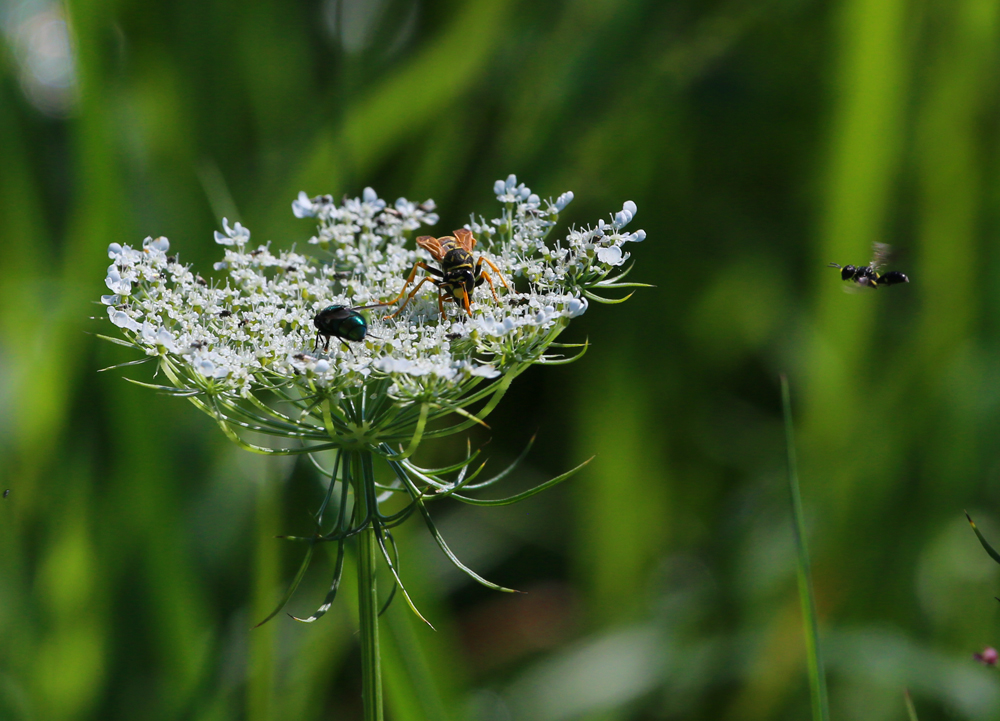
368, 605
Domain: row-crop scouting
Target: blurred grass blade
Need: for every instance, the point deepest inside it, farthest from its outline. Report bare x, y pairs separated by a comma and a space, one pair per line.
817, 675
989, 549
910, 711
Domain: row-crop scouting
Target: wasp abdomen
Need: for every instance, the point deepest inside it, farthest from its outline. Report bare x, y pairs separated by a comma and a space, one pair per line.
892, 278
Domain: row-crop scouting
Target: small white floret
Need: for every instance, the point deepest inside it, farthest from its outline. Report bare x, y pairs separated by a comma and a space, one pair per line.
576, 307
563, 200
121, 319
611, 256
302, 207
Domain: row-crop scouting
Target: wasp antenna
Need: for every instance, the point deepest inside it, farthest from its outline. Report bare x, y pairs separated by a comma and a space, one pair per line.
834, 265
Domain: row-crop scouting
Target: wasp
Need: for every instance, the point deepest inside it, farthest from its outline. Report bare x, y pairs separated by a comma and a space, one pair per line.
341, 322
872, 275
459, 274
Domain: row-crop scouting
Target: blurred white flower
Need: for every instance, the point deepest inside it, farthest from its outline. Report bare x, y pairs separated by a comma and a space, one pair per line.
237, 235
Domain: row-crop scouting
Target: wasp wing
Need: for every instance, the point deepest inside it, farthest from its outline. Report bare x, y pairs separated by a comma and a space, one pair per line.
880, 256
465, 239
860, 287
431, 245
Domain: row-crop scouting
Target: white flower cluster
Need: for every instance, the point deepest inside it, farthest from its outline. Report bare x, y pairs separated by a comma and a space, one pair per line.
250, 326
580, 262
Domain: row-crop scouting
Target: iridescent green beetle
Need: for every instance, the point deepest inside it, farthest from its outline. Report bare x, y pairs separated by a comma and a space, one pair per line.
341, 322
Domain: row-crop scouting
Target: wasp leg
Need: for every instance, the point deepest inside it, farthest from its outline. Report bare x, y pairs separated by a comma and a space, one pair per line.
441, 302
479, 272
483, 275
413, 274
413, 292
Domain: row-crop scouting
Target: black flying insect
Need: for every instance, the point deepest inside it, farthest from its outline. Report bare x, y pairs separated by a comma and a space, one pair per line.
874, 274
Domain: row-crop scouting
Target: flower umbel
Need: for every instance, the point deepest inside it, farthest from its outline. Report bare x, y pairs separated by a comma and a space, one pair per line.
242, 346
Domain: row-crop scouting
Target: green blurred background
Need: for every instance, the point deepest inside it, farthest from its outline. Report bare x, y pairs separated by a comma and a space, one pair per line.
760, 140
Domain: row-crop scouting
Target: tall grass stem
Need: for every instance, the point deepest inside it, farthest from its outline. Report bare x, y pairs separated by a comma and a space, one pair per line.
817, 674
911, 712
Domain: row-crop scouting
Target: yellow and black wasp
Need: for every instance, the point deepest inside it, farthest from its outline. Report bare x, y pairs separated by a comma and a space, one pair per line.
872, 275
460, 272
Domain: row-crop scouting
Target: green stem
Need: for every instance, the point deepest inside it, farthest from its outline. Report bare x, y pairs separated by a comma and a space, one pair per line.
371, 664
817, 675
